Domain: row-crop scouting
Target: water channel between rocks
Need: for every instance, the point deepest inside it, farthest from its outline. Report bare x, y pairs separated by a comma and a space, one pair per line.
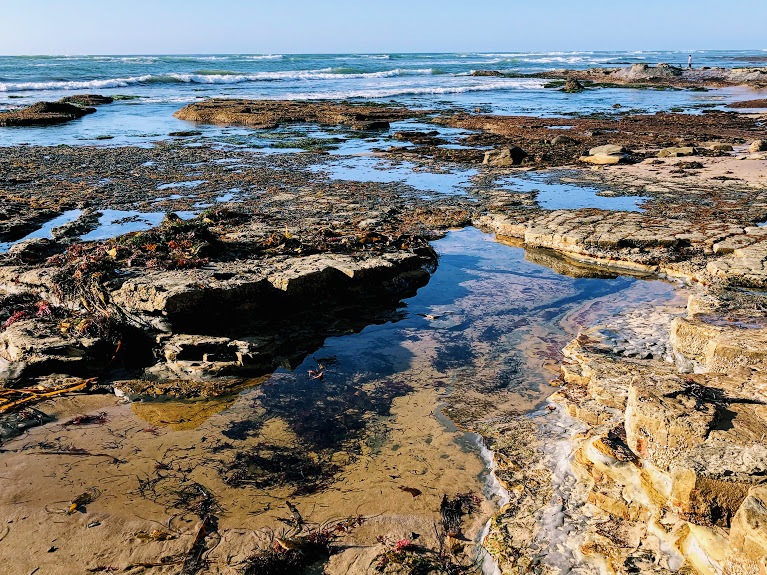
376, 435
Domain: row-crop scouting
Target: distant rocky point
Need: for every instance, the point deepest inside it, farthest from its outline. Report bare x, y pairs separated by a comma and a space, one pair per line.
661, 75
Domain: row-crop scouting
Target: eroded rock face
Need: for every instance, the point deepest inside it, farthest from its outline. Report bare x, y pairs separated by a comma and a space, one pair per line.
747, 552
634, 241
721, 348
644, 72
178, 310
44, 113
24, 353
685, 450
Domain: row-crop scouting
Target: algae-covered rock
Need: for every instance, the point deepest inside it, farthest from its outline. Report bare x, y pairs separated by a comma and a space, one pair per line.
44, 113
87, 100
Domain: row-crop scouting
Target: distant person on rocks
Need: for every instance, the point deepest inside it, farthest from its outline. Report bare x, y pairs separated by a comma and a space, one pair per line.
689, 62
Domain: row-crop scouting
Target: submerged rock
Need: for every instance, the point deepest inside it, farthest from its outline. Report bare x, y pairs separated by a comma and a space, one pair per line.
491, 73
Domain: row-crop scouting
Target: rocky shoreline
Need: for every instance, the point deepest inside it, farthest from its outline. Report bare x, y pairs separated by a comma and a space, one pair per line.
670, 459
647, 76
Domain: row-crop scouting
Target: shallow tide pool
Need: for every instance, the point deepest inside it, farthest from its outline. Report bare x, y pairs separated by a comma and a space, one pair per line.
375, 435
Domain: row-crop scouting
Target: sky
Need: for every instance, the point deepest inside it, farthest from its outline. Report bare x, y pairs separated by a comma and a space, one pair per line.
344, 26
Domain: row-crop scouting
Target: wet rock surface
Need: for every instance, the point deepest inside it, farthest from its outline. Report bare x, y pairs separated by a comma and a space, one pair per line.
44, 113
270, 114
680, 442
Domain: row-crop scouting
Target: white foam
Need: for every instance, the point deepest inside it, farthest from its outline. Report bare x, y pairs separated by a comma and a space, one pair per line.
489, 565
494, 488
73, 85
229, 78
264, 57
415, 90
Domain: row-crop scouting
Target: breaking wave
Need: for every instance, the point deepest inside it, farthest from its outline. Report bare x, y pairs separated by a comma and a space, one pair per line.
211, 77
417, 90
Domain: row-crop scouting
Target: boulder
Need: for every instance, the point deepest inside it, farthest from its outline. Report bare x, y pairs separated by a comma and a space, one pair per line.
676, 152
608, 149
605, 155
505, 157
562, 140
573, 86
603, 159
758, 146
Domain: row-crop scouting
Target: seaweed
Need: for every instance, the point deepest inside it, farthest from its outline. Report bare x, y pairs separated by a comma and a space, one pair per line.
267, 466
305, 546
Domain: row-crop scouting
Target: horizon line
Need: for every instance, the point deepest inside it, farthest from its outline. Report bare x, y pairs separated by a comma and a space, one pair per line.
384, 53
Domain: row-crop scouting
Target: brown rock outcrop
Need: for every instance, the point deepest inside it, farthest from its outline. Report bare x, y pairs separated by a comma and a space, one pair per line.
44, 113
262, 114
87, 100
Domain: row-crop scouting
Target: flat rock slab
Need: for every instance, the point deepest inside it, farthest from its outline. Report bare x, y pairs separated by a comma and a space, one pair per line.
44, 113
262, 114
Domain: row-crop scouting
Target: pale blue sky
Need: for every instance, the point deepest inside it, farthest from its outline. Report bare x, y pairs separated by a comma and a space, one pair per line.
299, 26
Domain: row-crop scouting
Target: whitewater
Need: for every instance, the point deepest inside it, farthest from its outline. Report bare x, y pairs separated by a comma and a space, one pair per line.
149, 88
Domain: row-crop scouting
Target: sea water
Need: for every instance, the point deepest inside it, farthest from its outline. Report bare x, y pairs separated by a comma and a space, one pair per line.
157, 86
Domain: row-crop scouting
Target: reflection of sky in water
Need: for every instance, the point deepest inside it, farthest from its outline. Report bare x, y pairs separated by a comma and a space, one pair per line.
113, 223
368, 169
191, 184
488, 320
558, 195
45, 230
144, 122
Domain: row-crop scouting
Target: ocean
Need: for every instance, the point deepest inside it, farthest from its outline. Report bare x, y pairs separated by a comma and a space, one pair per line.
156, 86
